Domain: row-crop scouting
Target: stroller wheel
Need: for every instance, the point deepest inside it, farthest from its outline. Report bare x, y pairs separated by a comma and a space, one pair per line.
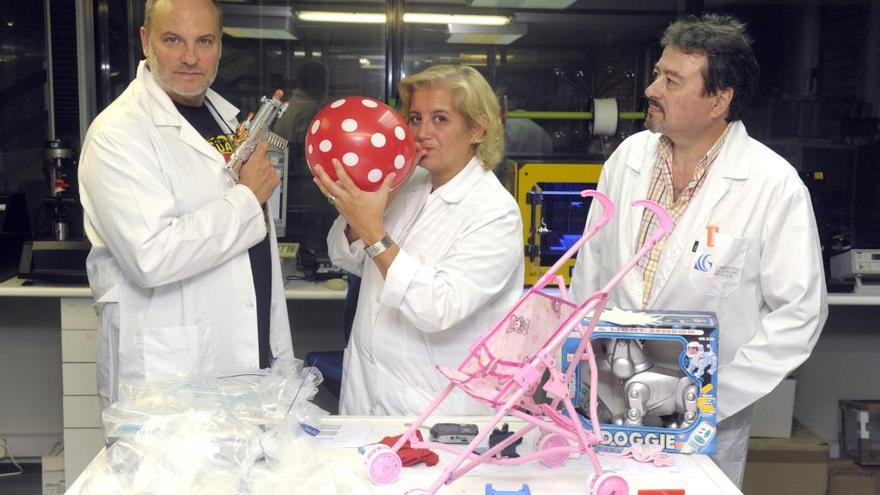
383, 465
417, 491
548, 441
609, 484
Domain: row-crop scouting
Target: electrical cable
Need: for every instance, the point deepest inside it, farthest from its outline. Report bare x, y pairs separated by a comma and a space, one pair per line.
14, 463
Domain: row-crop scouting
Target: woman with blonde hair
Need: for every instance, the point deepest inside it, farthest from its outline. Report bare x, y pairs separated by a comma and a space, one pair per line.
440, 257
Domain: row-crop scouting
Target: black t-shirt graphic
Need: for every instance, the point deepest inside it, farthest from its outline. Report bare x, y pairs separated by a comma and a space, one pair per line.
204, 122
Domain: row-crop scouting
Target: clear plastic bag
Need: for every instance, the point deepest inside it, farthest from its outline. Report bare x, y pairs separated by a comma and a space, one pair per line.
240, 433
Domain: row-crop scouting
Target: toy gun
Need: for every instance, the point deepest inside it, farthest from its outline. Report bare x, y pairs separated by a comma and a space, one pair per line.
255, 129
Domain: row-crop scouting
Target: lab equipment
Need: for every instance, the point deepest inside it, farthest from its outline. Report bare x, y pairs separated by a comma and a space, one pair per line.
507, 364
61, 173
552, 209
856, 264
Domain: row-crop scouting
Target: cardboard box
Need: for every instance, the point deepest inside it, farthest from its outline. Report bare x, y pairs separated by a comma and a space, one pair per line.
845, 477
798, 464
670, 358
772, 414
53, 470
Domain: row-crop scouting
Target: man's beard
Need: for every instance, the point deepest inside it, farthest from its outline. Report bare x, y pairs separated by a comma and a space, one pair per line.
650, 124
167, 84
653, 126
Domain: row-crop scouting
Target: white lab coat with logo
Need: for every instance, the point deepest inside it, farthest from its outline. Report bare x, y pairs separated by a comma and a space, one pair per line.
763, 277
169, 267
459, 269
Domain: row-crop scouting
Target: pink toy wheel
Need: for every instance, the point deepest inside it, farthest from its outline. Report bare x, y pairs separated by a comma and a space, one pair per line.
383, 465
548, 441
609, 484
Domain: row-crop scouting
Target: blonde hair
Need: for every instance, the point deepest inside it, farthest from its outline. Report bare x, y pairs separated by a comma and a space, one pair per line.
473, 98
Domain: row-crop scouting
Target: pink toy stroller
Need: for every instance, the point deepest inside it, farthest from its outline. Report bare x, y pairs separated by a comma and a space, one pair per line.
506, 365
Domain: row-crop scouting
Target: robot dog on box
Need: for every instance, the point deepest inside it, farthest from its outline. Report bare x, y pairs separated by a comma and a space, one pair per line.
648, 388
656, 379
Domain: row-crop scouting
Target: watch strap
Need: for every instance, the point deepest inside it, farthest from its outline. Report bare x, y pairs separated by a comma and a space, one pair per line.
379, 247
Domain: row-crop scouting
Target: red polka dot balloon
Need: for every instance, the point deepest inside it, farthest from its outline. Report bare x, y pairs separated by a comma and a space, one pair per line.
368, 138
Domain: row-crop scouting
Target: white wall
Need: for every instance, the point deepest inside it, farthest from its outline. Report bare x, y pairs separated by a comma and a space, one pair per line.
844, 365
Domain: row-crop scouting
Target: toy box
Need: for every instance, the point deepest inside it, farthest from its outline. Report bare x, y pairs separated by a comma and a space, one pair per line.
657, 379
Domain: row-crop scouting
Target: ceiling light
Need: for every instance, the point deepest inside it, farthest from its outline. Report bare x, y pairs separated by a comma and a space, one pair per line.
270, 23
485, 35
262, 33
522, 4
471, 20
354, 17
409, 17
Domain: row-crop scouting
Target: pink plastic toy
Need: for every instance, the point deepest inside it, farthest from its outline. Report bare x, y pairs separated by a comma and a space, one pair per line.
505, 367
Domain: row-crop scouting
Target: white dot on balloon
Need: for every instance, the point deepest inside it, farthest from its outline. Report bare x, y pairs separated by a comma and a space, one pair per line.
315, 125
337, 103
369, 103
350, 159
399, 162
325, 145
311, 149
349, 125
399, 133
375, 175
378, 140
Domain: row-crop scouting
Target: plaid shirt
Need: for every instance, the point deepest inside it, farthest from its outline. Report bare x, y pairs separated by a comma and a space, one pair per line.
661, 191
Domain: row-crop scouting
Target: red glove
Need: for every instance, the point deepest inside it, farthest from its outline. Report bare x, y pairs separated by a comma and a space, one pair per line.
410, 456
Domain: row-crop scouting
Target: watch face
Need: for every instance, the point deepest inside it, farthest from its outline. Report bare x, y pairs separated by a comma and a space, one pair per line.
374, 250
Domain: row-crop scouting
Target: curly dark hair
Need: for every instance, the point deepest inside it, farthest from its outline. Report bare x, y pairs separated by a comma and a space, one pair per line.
731, 62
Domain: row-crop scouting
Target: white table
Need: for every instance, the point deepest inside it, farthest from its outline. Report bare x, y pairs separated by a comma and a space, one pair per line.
697, 474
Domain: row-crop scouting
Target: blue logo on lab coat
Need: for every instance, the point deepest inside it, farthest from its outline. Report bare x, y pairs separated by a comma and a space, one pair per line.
704, 263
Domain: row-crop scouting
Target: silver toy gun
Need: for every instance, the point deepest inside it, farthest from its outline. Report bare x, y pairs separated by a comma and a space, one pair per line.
255, 129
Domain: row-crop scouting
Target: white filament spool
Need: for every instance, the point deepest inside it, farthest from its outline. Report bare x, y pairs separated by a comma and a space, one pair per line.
604, 117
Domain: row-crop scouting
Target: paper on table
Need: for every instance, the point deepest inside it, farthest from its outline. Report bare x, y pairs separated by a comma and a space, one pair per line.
345, 435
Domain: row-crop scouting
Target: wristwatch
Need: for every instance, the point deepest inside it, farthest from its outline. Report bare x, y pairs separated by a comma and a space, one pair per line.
379, 247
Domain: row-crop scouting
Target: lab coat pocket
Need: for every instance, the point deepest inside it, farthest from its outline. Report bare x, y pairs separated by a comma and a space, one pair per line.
174, 351
716, 271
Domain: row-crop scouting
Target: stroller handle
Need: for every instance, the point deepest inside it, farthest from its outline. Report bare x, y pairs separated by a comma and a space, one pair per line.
662, 216
589, 231
607, 207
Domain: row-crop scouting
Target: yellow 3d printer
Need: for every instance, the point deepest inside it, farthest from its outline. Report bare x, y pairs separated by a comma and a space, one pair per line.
548, 191
553, 211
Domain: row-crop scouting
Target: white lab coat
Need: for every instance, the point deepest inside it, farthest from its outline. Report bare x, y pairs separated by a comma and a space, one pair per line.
169, 267
459, 269
771, 300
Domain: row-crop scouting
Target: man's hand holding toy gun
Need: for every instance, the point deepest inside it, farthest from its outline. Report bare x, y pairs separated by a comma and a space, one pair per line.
249, 138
